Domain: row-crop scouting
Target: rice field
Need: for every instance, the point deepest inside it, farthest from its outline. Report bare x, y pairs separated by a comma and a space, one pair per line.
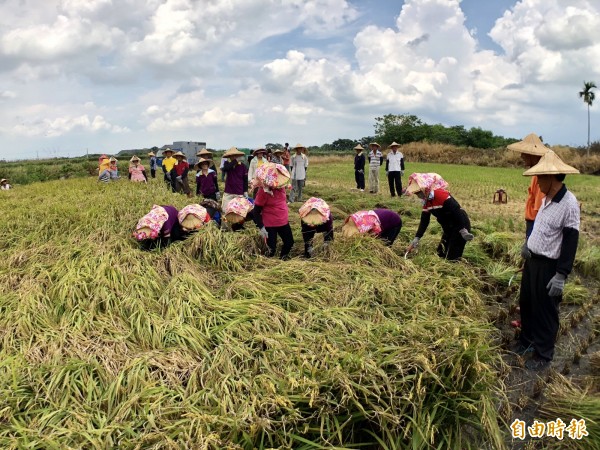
209, 344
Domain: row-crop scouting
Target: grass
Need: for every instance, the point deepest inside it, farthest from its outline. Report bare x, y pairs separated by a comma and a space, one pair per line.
209, 343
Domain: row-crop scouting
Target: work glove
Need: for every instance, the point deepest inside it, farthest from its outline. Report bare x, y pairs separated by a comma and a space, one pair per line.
402, 173
168, 175
179, 178
387, 172
466, 235
525, 252
556, 285
218, 196
414, 244
263, 233
361, 171
245, 194
308, 251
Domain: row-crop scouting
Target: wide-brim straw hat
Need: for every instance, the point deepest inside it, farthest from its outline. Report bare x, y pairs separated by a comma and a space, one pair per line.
350, 229
191, 222
3, 180
314, 218
134, 158
358, 147
532, 145
202, 160
278, 151
203, 152
113, 159
413, 188
144, 231
151, 154
550, 164
299, 146
256, 151
234, 218
394, 144
375, 144
233, 152
179, 154
167, 150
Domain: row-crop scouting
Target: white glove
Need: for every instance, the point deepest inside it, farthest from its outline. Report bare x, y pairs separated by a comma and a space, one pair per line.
179, 178
168, 175
525, 252
414, 244
556, 285
218, 196
264, 233
246, 194
466, 235
402, 173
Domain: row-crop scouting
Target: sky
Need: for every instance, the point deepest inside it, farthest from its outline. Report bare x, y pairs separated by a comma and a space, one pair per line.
95, 76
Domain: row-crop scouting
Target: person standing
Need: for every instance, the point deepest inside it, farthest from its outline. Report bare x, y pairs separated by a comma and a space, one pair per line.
394, 168
359, 168
152, 164
298, 164
549, 256
236, 182
104, 170
223, 161
113, 169
375, 162
286, 156
276, 157
205, 154
260, 158
437, 201
137, 172
206, 181
168, 163
180, 172
531, 149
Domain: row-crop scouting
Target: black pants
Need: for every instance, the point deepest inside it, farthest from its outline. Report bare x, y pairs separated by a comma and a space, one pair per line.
390, 235
359, 177
308, 234
285, 232
153, 173
452, 244
395, 179
212, 196
539, 311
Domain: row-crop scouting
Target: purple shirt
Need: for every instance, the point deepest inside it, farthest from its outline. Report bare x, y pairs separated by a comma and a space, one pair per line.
237, 178
388, 219
171, 221
206, 184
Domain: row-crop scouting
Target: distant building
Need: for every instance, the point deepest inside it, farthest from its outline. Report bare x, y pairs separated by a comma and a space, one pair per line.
189, 149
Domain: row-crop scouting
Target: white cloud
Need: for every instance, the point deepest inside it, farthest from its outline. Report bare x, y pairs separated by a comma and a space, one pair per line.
59, 126
215, 117
7, 94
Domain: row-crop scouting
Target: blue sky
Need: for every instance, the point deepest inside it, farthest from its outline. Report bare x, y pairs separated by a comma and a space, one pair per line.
106, 75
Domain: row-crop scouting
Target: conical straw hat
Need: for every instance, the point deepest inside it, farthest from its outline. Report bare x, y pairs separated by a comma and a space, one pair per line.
234, 218
550, 164
358, 147
232, 152
203, 152
532, 145
350, 229
314, 218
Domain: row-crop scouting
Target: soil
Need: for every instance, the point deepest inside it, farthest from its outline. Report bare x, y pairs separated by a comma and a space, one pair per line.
578, 338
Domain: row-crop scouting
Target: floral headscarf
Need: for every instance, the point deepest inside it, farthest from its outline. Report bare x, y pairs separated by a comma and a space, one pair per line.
267, 175
366, 221
239, 205
154, 220
427, 182
196, 211
315, 203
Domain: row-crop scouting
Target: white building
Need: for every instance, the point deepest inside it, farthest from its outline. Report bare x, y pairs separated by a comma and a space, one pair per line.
189, 149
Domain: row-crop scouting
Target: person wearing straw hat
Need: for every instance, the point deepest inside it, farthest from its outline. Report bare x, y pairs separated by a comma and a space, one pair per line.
260, 158
4, 185
158, 228
207, 183
193, 217
394, 168
236, 182
271, 212
137, 172
375, 162
382, 223
104, 170
359, 168
213, 208
315, 217
298, 164
168, 163
531, 149
276, 157
551, 249
113, 169
205, 154
153, 164
437, 201
180, 174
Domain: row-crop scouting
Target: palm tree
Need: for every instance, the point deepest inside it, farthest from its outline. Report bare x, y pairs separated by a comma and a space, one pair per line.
588, 97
